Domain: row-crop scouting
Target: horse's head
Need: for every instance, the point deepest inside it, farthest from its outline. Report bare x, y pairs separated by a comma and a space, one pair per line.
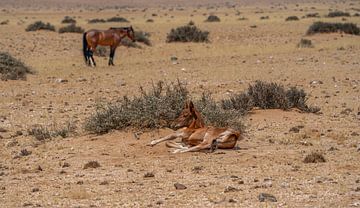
189, 117
130, 33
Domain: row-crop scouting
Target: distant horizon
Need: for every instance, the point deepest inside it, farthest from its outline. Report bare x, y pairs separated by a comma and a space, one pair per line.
138, 3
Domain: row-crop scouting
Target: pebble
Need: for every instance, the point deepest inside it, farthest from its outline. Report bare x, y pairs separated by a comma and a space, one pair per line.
263, 197
180, 186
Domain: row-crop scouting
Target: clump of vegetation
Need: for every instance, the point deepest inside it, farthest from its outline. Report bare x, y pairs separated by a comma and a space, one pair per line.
12, 68
269, 96
101, 51
5, 22
96, 20
140, 36
214, 114
312, 15
241, 102
212, 18
314, 157
39, 25
338, 14
356, 15
305, 43
117, 19
71, 29
68, 20
292, 18
155, 108
264, 17
92, 164
326, 27
149, 20
187, 33
242, 18
42, 133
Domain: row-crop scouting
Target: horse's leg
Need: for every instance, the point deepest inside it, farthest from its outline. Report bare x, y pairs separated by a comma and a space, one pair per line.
91, 53
112, 53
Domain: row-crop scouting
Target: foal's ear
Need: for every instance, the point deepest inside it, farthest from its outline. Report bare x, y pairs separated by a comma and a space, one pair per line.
191, 105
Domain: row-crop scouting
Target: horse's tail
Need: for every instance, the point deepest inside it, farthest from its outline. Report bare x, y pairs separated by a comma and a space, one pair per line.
85, 47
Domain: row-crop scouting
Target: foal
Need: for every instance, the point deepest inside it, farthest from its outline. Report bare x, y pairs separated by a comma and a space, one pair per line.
196, 135
111, 37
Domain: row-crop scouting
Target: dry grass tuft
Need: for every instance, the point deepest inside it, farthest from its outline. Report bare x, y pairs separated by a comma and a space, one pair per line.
314, 157
39, 25
12, 68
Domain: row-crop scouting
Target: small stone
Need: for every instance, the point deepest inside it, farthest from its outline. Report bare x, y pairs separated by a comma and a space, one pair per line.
263, 197
65, 165
149, 175
104, 183
61, 80
354, 134
35, 190
232, 201
24, 152
231, 189
2, 130
180, 186
39, 168
82, 79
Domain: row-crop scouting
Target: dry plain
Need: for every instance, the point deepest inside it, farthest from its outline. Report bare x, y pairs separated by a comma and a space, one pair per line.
269, 160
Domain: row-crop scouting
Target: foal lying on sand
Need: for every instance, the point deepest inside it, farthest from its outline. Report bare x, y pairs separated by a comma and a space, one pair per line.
195, 136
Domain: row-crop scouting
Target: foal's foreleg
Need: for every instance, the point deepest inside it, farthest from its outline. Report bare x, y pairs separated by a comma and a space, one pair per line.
168, 137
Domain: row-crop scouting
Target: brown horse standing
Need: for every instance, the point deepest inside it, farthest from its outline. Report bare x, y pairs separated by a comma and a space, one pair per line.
111, 37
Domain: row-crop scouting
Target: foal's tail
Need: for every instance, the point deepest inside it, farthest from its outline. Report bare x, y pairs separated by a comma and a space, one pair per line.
85, 48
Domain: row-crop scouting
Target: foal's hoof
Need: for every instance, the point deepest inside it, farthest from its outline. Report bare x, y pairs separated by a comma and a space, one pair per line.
152, 143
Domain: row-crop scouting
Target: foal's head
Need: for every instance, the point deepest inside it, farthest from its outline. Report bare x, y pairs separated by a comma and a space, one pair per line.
189, 117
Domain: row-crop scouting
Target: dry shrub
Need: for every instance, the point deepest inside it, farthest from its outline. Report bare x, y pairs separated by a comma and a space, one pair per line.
212, 18
96, 20
326, 27
241, 102
269, 96
292, 18
42, 133
101, 51
12, 68
305, 43
338, 14
5, 22
92, 164
71, 29
187, 33
152, 109
68, 20
117, 19
312, 15
39, 25
149, 20
140, 36
314, 157
214, 114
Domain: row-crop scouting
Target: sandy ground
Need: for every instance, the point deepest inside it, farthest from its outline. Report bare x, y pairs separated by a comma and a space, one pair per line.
270, 160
